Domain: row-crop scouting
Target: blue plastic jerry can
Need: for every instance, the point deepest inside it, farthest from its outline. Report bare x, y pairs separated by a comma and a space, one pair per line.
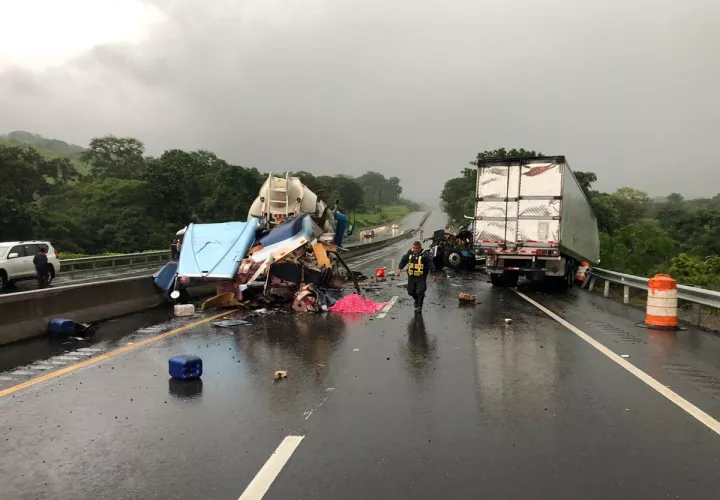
185, 367
61, 326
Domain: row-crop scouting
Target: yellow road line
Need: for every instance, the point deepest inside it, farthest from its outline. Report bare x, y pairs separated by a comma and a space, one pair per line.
108, 355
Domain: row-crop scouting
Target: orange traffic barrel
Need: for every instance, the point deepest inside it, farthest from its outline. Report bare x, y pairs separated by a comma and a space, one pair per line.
661, 302
581, 270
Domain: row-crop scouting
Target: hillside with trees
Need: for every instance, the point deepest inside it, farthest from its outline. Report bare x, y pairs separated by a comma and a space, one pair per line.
638, 235
125, 201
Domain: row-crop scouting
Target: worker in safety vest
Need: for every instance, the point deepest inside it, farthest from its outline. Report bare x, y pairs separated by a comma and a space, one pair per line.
419, 265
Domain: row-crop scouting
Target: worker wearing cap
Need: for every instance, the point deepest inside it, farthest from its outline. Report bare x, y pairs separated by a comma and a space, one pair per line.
419, 265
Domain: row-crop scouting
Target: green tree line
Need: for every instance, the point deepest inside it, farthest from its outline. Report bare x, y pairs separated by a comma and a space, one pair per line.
112, 197
638, 235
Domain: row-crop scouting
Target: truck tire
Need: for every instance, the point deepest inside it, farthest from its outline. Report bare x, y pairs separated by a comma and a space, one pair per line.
51, 275
566, 281
453, 259
496, 279
569, 278
505, 279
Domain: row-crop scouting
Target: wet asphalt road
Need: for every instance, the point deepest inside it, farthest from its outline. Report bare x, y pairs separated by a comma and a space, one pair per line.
451, 404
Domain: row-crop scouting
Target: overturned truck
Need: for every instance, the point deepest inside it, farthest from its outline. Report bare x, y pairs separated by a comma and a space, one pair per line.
288, 250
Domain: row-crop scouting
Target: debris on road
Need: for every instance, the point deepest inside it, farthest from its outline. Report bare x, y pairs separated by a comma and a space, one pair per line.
222, 301
287, 253
466, 298
230, 323
280, 374
185, 367
354, 303
508, 321
64, 326
184, 309
625, 355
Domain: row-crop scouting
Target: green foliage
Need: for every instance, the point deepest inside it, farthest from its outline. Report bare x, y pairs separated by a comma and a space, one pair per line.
130, 203
384, 215
642, 248
694, 270
233, 191
50, 149
116, 157
365, 193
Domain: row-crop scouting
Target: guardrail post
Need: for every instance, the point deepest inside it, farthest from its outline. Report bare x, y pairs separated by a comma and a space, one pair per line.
607, 288
697, 314
626, 294
592, 284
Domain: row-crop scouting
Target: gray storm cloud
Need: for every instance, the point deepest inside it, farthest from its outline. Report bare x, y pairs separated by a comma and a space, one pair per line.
413, 89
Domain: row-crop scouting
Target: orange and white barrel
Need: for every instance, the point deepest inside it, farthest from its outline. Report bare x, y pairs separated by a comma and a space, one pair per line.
662, 302
581, 271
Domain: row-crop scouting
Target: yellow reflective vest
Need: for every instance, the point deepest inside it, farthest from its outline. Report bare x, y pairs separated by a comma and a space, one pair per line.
415, 265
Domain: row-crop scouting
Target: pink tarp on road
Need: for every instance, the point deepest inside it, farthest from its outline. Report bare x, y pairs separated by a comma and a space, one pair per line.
354, 303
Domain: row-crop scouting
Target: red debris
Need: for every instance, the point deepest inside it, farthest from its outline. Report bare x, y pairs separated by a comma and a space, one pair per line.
354, 303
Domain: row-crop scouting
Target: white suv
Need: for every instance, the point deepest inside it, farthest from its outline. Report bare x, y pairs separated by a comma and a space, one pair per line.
16, 261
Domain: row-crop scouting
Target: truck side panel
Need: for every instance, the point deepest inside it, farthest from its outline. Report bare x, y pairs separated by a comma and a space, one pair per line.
579, 233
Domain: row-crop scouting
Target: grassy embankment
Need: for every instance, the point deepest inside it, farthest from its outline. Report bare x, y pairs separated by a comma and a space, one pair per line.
387, 214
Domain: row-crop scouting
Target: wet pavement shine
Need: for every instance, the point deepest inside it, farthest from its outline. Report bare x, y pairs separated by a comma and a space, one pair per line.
454, 403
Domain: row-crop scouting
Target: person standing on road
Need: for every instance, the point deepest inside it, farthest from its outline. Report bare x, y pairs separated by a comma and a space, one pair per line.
419, 265
42, 268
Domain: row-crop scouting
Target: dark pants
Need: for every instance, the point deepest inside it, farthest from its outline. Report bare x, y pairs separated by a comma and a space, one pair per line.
43, 274
416, 287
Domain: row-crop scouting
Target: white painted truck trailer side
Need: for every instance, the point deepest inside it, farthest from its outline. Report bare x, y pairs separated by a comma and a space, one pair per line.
532, 219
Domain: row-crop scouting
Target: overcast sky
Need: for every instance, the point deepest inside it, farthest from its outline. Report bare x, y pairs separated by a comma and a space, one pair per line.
628, 89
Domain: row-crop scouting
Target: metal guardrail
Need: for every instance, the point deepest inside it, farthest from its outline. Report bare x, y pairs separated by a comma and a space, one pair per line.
696, 295
84, 263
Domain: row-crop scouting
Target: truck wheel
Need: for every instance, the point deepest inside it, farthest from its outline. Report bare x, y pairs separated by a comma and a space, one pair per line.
570, 275
51, 275
508, 278
566, 281
497, 279
453, 259
511, 278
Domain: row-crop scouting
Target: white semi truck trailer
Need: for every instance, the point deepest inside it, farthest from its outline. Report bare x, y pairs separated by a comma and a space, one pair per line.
532, 219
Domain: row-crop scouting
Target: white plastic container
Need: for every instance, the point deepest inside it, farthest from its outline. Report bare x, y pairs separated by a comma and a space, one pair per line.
184, 309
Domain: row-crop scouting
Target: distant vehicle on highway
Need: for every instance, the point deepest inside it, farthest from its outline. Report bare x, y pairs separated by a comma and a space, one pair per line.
16, 261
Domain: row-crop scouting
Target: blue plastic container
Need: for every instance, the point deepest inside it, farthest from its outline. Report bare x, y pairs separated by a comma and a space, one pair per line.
185, 367
61, 326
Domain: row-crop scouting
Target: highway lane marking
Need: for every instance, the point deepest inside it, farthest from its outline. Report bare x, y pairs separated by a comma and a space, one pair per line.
683, 403
107, 355
387, 307
263, 480
308, 414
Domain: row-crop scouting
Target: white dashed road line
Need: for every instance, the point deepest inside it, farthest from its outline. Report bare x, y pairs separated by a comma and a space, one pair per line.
264, 479
388, 306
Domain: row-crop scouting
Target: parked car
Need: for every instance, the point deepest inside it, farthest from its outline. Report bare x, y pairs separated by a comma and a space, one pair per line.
16, 261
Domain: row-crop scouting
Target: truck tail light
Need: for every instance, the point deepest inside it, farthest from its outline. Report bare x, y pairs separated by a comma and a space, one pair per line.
57, 254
